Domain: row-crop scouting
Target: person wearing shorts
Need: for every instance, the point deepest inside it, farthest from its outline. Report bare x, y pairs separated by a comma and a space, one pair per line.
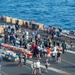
59, 57
46, 65
33, 67
38, 68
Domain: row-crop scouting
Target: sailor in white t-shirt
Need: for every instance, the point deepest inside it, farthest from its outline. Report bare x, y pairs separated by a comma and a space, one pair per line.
38, 64
54, 53
38, 69
55, 48
13, 27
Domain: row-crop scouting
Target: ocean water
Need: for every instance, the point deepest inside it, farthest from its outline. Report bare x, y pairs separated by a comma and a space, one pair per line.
49, 12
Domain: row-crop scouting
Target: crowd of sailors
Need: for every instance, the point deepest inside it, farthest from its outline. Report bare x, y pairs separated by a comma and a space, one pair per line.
38, 44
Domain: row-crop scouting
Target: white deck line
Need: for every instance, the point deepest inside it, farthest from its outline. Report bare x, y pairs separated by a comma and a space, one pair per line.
69, 51
50, 68
3, 73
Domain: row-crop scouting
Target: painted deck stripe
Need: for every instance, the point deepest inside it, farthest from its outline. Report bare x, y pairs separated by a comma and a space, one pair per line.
3, 73
69, 51
50, 68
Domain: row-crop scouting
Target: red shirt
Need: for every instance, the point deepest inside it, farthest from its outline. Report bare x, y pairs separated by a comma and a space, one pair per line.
48, 51
33, 46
